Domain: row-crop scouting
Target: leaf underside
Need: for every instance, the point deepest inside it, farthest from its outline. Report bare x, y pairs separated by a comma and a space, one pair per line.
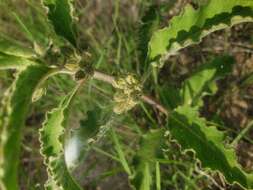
191, 132
192, 25
52, 146
12, 118
60, 13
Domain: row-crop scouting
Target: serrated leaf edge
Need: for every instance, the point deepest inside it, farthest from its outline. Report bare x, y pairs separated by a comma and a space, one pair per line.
49, 159
229, 149
5, 111
177, 46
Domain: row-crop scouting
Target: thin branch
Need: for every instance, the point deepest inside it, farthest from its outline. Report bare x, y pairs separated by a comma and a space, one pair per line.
110, 80
155, 104
242, 134
104, 77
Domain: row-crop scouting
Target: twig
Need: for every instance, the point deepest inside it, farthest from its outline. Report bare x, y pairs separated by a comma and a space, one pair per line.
110, 80
154, 103
104, 77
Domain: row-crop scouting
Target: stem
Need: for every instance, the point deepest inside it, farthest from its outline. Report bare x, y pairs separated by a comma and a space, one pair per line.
158, 176
241, 134
154, 103
104, 77
101, 151
110, 80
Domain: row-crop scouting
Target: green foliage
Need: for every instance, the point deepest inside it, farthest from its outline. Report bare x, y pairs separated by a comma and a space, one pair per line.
120, 152
185, 125
13, 120
202, 82
14, 56
13, 62
52, 145
60, 13
145, 160
170, 96
191, 133
150, 23
192, 25
247, 81
13, 49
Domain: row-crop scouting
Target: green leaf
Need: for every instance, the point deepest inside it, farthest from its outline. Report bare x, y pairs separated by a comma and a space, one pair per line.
52, 145
202, 82
170, 96
191, 132
60, 13
247, 81
120, 152
149, 23
145, 160
192, 25
13, 62
10, 47
12, 119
